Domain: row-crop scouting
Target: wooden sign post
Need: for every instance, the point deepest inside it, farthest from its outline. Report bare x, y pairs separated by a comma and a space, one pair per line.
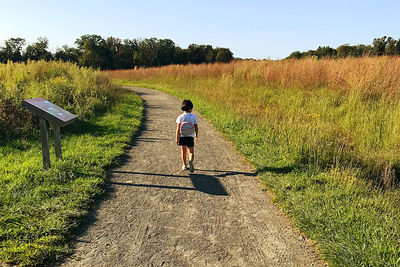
58, 117
45, 143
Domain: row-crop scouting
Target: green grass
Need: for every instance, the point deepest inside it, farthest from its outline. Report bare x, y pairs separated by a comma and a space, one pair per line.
82, 91
41, 209
353, 221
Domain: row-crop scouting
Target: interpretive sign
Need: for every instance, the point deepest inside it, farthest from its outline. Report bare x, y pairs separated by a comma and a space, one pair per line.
59, 117
49, 111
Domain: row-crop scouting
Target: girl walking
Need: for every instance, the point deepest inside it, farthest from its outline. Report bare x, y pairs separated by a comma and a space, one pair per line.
186, 131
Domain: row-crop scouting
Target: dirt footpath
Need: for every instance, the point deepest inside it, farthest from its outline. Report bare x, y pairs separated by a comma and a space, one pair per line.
158, 215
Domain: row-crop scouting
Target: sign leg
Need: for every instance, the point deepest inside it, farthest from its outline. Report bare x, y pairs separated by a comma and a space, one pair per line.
45, 143
57, 141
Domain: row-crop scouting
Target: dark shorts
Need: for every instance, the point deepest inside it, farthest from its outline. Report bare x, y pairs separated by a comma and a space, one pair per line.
186, 141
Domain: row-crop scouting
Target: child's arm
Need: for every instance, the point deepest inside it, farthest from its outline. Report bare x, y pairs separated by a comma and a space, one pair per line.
196, 130
178, 130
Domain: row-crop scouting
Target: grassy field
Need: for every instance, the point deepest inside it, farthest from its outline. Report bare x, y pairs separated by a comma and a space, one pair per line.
323, 135
41, 209
81, 91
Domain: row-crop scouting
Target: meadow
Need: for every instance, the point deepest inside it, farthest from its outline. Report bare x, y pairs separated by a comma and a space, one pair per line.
323, 135
82, 91
40, 210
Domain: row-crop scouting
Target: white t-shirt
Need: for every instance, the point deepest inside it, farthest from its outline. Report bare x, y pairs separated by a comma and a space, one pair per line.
187, 117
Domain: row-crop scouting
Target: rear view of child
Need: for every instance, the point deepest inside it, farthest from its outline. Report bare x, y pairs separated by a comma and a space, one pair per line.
186, 130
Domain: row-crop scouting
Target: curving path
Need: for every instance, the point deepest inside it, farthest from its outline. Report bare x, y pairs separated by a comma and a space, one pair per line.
157, 215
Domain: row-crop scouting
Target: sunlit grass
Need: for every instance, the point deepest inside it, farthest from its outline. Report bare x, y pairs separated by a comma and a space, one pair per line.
39, 209
323, 135
340, 113
79, 90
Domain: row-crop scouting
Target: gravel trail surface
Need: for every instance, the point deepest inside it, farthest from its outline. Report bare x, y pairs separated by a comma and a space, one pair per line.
158, 215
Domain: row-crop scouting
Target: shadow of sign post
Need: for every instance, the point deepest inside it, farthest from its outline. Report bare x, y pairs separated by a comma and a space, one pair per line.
48, 112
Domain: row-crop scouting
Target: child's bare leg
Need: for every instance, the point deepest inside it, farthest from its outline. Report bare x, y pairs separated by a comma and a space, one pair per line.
183, 155
191, 153
191, 158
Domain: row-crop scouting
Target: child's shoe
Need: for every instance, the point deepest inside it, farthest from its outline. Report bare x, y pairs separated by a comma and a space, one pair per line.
191, 167
184, 167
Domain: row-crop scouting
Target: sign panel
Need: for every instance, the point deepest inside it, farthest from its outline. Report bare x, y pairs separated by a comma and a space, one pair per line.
47, 110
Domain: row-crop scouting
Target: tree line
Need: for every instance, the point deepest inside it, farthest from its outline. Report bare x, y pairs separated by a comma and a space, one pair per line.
384, 46
113, 53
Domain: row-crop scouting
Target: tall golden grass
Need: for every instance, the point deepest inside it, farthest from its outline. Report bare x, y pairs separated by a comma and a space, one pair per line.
379, 75
80, 90
330, 113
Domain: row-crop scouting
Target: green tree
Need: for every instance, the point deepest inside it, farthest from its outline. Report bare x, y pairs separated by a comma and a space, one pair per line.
122, 52
68, 54
38, 50
115, 46
398, 47
181, 56
223, 55
94, 52
390, 47
362, 50
211, 54
154, 52
146, 53
325, 52
165, 52
13, 50
379, 45
296, 55
309, 53
126, 54
345, 51
196, 53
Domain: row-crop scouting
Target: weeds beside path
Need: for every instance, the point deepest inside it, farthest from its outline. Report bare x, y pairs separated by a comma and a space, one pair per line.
158, 215
353, 222
39, 209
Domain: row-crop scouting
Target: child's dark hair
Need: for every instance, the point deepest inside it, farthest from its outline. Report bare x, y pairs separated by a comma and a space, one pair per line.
187, 105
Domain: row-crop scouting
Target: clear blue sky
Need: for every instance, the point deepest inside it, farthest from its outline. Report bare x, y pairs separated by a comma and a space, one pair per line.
252, 28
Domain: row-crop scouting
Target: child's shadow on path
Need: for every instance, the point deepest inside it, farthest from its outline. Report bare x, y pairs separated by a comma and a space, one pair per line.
208, 184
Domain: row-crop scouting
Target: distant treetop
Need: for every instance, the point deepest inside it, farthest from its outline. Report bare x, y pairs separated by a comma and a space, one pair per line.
113, 53
384, 46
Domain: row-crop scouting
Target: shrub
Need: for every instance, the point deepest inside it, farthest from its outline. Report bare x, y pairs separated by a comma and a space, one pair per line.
79, 90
